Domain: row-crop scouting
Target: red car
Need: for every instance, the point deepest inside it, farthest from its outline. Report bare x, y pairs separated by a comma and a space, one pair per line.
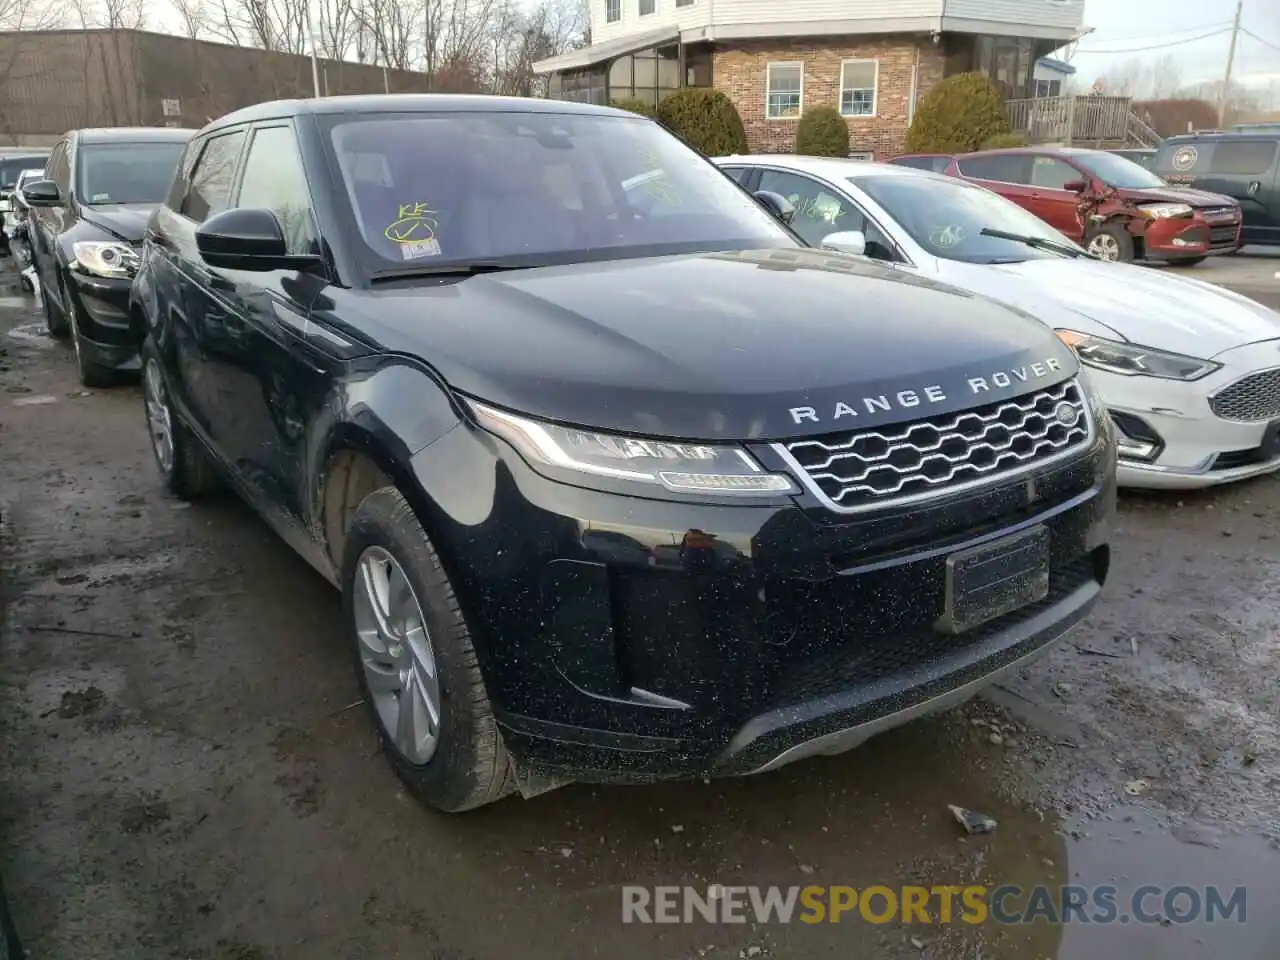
1116, 208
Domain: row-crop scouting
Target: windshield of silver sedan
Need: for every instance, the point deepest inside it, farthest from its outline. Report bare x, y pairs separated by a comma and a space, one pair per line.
947, 218
432, 189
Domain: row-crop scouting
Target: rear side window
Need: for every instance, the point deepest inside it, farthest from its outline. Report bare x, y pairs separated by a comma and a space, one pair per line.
1052, 173
210, 188
1242, 157
936, 164
1003, 167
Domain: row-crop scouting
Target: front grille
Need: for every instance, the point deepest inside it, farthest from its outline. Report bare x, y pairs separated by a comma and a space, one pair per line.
1223, 236
869, 469
1221, 215
1256, 397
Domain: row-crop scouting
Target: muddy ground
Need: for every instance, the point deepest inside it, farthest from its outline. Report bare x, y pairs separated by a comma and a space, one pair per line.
183, 777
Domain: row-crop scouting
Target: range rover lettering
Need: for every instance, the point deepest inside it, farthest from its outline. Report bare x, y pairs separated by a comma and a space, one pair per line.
619, 481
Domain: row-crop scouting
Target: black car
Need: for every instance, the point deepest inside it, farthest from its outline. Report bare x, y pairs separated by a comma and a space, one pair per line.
1245, 166
85, 230
619, 481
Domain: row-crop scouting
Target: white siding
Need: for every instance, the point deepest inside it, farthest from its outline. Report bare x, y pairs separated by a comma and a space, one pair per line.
879, 15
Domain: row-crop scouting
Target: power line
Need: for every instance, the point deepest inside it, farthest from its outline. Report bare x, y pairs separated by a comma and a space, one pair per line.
1158, 46
1168, 33
1265, 43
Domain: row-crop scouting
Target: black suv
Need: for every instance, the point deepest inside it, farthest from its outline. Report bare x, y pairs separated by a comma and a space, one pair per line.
618, 479
85, 229
1245, 166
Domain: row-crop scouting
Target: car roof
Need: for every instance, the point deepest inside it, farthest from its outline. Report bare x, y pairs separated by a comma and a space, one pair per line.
410, 103
832, 168
134, 134
1224, 135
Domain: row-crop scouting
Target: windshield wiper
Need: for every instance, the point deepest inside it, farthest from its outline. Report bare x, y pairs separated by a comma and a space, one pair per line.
1035, 243
469, 269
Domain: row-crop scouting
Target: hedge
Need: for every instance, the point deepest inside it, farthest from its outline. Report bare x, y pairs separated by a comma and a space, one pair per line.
822, 132
960, 114
632, 105
705, 119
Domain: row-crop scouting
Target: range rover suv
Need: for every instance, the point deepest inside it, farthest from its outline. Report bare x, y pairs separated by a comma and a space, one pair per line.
619, 480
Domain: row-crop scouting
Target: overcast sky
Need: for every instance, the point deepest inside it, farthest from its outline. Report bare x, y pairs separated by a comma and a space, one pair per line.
1123, 28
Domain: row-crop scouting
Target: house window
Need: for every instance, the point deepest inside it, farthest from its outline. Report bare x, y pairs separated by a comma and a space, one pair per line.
858, 87
784, 90
862, 156
612, 11
647, 7
1048, 88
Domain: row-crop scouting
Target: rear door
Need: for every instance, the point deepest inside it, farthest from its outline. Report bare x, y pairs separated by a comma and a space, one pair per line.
1244, 167
1008, 174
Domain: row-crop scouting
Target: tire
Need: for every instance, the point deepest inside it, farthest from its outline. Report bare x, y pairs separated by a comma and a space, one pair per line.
1111, 238
91, 374
466, 765
1188, 262
55, 321
187, 471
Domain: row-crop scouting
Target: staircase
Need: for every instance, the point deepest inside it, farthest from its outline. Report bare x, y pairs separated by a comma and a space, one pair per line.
1092, 121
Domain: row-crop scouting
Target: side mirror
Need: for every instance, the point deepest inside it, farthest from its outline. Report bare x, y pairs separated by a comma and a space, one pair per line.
1075, 186
846, 241
776, 204
42, 193
248, 239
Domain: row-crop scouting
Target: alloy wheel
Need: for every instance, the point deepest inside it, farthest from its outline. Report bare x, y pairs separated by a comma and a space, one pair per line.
396, 655
1105, 247
159, 418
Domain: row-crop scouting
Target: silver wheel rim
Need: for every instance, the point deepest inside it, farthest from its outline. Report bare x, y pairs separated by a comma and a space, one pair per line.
159, 421
1105, 247
396, 654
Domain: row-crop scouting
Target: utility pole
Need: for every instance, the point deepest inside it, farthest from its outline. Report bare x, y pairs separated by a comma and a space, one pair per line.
1231, 59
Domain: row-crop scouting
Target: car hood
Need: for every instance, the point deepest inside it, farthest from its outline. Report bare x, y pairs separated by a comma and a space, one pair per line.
1173, 194
124, 221
719, 345
1155, 308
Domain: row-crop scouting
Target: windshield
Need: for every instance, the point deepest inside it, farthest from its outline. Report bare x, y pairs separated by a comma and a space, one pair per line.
1118, 171
431, 189
127, 172
947, 217
11, 168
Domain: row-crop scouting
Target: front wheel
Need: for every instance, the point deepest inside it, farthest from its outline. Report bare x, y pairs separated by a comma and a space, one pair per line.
1110, 242
415, 662
55, 320
91, 374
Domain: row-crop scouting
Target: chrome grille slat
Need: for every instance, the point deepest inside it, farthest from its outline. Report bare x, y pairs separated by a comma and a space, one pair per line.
1249, 399
873, 469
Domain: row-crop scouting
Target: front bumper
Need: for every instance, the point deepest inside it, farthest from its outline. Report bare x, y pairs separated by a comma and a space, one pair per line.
107, 336
1179, 238
1198, 448
630, 640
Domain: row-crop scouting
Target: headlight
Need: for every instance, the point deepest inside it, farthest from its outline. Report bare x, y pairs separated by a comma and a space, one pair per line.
1163, 211
675, 466
1131, 360
105, 258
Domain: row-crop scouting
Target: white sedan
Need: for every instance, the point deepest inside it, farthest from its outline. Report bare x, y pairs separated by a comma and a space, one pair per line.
1189, 371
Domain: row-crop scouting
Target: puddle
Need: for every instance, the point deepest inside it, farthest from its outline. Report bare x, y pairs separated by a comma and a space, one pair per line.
1134, 850
36, 401
33, 333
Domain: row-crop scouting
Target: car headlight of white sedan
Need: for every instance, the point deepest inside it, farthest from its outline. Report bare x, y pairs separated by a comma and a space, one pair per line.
1132, 360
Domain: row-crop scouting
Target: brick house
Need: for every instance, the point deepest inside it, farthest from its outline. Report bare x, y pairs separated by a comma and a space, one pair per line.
871, 59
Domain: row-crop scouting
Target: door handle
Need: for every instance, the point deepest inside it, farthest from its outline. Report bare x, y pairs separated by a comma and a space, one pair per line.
1254, 188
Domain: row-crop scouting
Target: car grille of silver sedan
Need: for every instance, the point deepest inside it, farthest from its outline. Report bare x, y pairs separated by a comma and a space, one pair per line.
874, 469
1255, 397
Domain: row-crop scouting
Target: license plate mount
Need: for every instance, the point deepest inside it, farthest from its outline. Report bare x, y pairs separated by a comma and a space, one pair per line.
991, 580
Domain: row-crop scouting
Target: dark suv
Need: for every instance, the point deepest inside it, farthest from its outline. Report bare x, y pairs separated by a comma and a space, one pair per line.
619, 480
85, 231
1243, 166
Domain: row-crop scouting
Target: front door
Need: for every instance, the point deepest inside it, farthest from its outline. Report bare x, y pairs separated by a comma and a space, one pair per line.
47, 224
1050, 201
267, 373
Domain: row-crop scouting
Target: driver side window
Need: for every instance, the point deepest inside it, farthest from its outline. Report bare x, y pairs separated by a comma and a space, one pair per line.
1052, 173
820, 212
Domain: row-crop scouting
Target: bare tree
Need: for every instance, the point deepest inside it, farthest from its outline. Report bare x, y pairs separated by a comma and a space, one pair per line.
193, 15
1164, 77
1124, 79
270, 24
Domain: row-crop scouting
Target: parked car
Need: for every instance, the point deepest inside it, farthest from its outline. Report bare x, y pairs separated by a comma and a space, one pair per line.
1243, 166
10, 167
936, 162
1189, 371
1142, 156
85, 232
1116, 208
616, 485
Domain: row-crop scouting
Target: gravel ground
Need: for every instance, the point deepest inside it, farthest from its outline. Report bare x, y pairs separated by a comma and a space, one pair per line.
183, 776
